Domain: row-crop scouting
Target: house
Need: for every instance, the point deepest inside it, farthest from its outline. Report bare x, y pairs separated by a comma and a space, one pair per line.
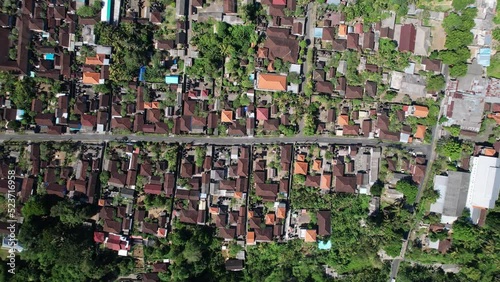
432, 65
351, 130
387, 32
309, 235
227, 116
369, 40
262, 114
326, 181
354, 92
484, 187
92, 78
324, 219
324, 87
410, 84
300, 167
422, 40
229, 7
328, 34
234, 265
281, 45
371, 88
312, 181
271, 82
153, 189
267, 192
345, 184
342, 30
352, 41
343, 120
420, 133
453, 190
407, 38
418, 111
465, 109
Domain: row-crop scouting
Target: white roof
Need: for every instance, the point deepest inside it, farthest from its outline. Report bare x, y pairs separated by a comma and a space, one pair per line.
440, 184
484, 182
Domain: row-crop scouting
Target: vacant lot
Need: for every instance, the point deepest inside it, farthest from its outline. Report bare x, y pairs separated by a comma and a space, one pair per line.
494, 68
438, 35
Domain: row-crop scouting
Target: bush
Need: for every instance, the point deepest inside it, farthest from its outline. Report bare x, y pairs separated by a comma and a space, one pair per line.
454, 130
459, 5
409, 189
435, 83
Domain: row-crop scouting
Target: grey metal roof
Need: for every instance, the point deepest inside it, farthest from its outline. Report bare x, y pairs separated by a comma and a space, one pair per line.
456, 193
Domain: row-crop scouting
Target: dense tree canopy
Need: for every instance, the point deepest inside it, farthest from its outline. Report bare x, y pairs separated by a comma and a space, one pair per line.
57, 248
461, 4
409, 189
131, 44
435, 83
457, 26
215, 42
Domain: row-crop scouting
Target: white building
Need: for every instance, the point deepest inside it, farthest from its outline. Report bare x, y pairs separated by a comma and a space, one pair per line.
484, 186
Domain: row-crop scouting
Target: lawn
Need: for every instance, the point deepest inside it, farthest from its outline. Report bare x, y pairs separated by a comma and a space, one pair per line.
494, 68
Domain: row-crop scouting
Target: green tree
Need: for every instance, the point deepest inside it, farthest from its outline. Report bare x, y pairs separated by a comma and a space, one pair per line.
451, 148
459, 5
70, 213
35, 206
377, 187
458, 70
104, 177
454, 130
496, 34
409, 189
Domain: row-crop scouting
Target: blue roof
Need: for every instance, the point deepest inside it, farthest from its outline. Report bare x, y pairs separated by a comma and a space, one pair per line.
484, 57
19, 114
318, 32
324, 245
172, 79
49, 56
335, 2
142, 71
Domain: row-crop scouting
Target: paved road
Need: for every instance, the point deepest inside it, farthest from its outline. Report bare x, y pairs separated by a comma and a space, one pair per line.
208, 140
431, 155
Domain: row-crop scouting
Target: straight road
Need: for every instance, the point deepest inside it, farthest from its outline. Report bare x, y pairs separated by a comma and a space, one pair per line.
431, 155
423, 148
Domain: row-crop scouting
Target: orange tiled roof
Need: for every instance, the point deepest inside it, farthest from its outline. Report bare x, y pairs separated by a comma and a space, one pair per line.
342, 30
214, 210
270, 219
91, 77
420, 134
250, 214
343, 120
421, 111
490, 152
238, 195
151, 105
97, 60
301, 157
496, 117
262, 53
271, 82
250, 238
326, 181
281, 212
270, 67
300, 168
310, 236
227, 116
317, 165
